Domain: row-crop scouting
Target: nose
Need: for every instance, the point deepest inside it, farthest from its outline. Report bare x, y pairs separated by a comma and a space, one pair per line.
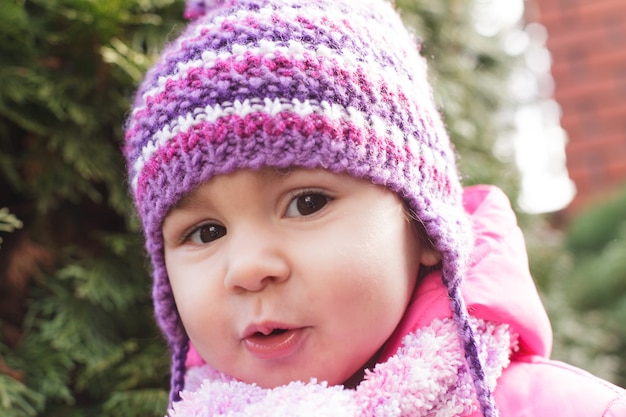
255, 260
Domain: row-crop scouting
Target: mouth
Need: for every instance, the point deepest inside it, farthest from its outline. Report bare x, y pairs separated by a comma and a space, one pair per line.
266, 330
275, 332
273, 341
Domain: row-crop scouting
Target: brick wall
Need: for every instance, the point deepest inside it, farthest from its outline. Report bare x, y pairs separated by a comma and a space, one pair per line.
587, 40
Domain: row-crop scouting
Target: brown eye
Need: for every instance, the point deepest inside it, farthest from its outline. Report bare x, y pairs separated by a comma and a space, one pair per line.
207, 233
306, 204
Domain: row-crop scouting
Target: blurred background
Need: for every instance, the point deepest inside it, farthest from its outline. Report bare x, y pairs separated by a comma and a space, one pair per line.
533, 94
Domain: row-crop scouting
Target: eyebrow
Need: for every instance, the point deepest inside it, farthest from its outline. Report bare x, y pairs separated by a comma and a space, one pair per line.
187, 201
191, 199
269, 174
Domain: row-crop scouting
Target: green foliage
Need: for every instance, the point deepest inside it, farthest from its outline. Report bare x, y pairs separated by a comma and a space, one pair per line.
18, 398
596, 227
597, 284
8, 222
582, 338
77, 335
582, 274
469, 73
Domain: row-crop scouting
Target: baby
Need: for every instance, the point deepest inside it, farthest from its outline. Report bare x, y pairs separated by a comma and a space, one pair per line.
313, 250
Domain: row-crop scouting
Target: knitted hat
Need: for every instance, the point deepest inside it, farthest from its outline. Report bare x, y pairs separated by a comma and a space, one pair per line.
333, 84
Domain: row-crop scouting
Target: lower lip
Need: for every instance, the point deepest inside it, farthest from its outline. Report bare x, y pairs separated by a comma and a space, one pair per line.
276, 346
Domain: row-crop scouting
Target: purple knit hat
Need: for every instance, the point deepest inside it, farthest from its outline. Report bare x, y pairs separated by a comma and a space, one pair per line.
333, 84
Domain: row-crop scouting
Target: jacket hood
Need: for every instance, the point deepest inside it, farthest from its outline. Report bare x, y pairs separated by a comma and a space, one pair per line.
498, 286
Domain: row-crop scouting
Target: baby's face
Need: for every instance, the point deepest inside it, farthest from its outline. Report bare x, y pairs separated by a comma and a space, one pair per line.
290, 276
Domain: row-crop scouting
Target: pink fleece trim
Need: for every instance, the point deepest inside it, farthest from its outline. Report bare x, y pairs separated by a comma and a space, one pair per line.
426, 376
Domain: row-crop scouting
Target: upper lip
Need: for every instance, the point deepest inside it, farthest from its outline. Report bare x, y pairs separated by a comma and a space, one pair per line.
265, 328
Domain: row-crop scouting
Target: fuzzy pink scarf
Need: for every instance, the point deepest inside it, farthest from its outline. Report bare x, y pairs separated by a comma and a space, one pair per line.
426, 377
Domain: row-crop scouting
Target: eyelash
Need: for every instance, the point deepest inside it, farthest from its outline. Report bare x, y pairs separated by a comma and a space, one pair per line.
294, 198
187, 237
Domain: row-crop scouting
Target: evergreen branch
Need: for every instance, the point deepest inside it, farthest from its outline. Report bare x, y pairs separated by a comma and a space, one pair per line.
8, 222
17, 400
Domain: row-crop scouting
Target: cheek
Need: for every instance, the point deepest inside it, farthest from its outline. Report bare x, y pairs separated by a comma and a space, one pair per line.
365, 267
390, 249
196, 292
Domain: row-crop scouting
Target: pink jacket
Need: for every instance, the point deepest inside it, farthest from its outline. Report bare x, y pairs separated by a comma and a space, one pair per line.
499, 288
